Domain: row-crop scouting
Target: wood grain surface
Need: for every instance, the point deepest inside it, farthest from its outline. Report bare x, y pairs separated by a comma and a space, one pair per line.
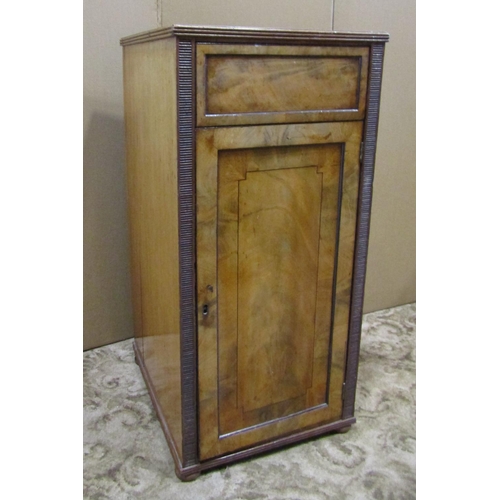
239, 85
278, 236
268, 201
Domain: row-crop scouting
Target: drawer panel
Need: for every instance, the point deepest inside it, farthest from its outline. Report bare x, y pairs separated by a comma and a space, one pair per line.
240, 85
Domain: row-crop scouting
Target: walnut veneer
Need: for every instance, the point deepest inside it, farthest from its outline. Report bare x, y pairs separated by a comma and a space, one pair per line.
250, 158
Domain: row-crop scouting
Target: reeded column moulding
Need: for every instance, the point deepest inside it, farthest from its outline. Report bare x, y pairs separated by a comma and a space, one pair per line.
250, 157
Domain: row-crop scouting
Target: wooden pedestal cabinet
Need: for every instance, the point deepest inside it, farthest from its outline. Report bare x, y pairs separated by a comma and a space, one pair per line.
250, 158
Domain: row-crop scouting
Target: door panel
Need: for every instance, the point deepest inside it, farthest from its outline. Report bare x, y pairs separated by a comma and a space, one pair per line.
269, 235
276, 298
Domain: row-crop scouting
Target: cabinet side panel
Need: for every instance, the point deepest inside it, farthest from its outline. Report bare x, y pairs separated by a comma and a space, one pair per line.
130, 77
151, 128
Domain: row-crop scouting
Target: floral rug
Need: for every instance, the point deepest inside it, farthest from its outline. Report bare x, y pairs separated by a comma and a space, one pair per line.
126, 455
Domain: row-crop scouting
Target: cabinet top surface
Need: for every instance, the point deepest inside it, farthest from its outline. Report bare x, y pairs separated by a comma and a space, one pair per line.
221, 33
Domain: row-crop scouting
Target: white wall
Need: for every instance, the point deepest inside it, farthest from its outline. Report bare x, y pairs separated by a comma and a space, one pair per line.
391, 261
391, 265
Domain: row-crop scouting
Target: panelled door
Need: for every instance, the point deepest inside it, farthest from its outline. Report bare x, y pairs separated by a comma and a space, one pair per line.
276, 220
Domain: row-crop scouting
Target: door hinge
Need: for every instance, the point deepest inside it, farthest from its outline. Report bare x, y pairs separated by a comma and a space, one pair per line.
361, 152
343, 391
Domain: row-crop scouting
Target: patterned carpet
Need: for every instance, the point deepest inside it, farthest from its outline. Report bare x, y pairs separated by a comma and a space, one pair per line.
126, 456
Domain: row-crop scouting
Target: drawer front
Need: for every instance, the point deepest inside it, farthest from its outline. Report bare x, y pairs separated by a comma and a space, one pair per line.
256, 84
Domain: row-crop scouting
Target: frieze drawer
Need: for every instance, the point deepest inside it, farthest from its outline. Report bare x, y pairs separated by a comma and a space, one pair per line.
243, 85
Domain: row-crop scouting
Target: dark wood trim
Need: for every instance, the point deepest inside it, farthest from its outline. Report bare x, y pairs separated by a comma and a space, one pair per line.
187, 251
363, 226
156, 405
250, 35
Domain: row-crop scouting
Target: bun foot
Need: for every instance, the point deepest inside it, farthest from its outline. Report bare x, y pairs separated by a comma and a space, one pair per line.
188, 477
344, 429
